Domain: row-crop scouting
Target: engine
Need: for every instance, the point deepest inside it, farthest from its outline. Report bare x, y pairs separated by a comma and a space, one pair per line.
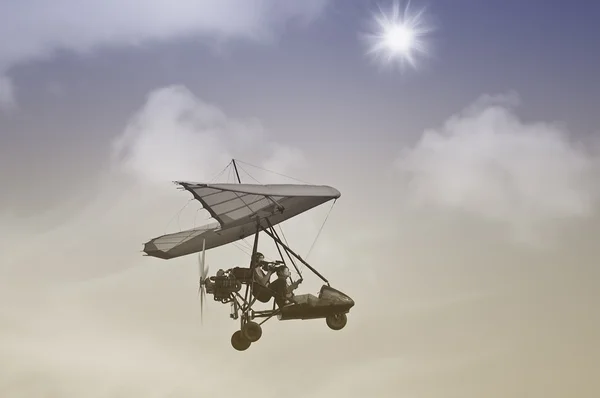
222, 286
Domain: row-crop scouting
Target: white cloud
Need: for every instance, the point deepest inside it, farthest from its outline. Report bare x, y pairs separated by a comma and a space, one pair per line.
175, 136
178, 136
37, 29
488, 162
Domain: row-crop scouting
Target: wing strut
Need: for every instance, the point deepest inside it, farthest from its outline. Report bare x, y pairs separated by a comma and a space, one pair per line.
276, 239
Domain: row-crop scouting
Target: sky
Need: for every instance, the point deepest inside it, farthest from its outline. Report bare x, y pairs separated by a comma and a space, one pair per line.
465, 231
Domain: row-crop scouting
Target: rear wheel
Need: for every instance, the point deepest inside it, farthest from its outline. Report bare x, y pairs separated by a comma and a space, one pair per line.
239, 341
336, 321
252, 331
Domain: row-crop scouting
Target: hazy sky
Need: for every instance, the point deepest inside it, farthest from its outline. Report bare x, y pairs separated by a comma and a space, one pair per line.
466, 231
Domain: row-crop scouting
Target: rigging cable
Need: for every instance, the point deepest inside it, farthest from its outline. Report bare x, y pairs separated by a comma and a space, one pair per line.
178, 214
320, 230
229, 175
221, 173
270, 171
249, 175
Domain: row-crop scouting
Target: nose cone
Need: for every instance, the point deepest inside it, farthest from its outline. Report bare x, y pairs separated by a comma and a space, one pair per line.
345, 300
350, 302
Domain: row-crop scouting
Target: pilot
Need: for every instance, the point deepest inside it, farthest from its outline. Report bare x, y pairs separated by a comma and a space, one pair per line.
245, 274
258, 260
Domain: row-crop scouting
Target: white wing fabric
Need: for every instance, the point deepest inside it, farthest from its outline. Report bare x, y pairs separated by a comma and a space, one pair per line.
237, 208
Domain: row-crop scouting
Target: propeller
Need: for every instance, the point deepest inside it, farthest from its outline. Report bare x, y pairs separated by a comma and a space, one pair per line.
203, 270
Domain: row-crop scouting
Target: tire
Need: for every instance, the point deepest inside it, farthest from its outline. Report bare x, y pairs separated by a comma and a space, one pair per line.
252, 331
239, 341
336, 321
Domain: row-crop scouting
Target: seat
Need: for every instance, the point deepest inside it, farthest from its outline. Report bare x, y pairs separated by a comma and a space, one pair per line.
260, 289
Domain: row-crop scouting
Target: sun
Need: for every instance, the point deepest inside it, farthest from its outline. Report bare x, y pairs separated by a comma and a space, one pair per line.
399, 35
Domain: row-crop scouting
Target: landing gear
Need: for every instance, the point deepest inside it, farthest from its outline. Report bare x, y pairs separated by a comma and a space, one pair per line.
252, 331
336, 321
239, 341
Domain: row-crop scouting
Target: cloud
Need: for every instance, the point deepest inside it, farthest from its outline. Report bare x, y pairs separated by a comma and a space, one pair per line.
175, 136
178, 136
489, 163
38, 29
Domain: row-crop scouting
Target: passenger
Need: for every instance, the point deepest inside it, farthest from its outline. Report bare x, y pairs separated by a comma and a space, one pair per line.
282, 292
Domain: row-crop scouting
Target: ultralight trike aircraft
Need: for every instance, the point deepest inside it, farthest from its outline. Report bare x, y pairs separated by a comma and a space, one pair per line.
243, 210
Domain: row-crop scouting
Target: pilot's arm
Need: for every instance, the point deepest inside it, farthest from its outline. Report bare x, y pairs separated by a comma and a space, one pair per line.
270, 271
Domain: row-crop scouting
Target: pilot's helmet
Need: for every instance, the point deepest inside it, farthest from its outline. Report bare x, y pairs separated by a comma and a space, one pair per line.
258, 257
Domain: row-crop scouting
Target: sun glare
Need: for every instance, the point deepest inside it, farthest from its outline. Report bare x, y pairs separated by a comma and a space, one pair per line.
399, 35
399, 39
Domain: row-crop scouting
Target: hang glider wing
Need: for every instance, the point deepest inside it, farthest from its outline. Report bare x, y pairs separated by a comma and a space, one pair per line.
237, 208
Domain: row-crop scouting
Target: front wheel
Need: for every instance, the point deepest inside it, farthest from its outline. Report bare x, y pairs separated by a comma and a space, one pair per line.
336, 321
239, 341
